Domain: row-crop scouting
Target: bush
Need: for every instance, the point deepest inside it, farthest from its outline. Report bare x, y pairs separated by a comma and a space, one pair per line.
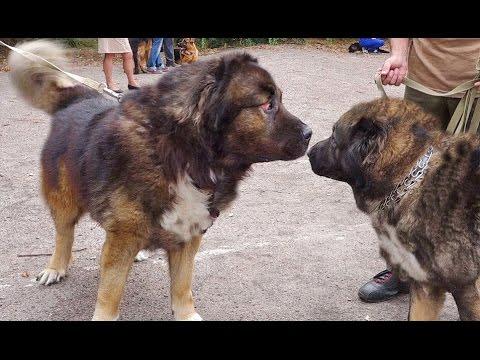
80, 42
205, 43
202, 43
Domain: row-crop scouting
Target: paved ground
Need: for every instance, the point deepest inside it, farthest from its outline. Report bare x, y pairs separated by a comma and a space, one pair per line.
293, 246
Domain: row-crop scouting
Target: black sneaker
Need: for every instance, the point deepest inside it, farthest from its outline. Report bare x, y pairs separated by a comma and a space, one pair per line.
384, 286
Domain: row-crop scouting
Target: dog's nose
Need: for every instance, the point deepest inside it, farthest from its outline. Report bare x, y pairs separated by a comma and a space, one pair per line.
307, 133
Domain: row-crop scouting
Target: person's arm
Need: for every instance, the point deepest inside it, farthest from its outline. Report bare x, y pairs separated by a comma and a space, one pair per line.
395, 68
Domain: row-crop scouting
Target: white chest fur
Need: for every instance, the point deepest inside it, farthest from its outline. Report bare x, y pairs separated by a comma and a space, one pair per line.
400, 256
189, 215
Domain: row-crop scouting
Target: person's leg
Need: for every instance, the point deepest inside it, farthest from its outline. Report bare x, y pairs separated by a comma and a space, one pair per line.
108, 70
154, 53
169, 53
436, 105
159, 62
128, 66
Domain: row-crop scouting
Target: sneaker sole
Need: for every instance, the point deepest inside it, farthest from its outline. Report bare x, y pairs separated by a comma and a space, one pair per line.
388, 297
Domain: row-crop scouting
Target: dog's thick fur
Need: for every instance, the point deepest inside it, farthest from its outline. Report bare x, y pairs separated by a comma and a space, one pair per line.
188, 51
432, 236
141, 48
158, 168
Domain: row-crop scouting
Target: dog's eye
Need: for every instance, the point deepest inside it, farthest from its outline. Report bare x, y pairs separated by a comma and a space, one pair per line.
268, 106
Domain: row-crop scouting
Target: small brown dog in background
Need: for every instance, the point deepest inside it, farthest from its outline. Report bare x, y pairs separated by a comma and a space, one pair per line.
188, 51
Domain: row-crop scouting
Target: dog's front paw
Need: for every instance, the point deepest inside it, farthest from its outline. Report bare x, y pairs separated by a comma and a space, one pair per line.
191, 317
102, 317
50, 276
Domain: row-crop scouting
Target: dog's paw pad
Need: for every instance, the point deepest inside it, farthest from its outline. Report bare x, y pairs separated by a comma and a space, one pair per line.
142, 255
50, 276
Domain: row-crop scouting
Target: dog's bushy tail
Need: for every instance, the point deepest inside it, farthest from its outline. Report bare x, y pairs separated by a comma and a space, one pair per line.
43, 87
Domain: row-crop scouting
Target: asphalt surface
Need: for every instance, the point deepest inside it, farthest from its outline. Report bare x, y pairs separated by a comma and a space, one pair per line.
292, 247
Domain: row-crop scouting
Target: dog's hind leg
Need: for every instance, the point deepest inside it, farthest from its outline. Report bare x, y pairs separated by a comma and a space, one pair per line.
65, 212
148, 49
468, 302
134, 46
425, 302
118, 254
181, 271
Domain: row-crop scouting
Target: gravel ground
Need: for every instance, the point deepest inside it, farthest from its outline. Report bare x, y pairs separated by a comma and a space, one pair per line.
292, 247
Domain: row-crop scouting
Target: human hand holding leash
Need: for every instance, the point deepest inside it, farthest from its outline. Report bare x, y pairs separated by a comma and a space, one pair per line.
395, 68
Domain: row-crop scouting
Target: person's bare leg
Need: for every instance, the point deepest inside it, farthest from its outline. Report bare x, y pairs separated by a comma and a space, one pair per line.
128, 67
108, 70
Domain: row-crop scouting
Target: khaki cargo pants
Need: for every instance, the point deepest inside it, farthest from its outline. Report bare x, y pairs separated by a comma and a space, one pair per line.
442, 107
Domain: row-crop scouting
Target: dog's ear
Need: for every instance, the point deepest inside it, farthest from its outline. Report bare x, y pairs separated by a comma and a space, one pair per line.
370, 135
367, 139
219, 98
231, 64
226, 69
220, 71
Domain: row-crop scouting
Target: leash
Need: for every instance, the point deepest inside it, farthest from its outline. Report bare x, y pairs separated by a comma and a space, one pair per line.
458, 122
95, 85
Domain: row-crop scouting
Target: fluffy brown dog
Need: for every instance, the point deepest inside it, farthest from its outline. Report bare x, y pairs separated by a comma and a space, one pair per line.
420, 188
188, 51
158, 168
141, 48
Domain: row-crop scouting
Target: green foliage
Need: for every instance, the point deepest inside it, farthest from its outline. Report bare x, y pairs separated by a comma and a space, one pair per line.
273, 41
80, 42
202, 43
206, 43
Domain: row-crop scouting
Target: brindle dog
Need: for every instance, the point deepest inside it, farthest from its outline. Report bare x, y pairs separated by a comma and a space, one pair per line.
156, 169
141, 48
429, 233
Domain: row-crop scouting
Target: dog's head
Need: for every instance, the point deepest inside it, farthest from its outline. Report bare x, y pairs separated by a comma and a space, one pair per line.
187, 43
373, 143
247, 113
354, 47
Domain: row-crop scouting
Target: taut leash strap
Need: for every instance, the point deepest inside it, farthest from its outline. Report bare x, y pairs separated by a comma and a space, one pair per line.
417, 86
100, 87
